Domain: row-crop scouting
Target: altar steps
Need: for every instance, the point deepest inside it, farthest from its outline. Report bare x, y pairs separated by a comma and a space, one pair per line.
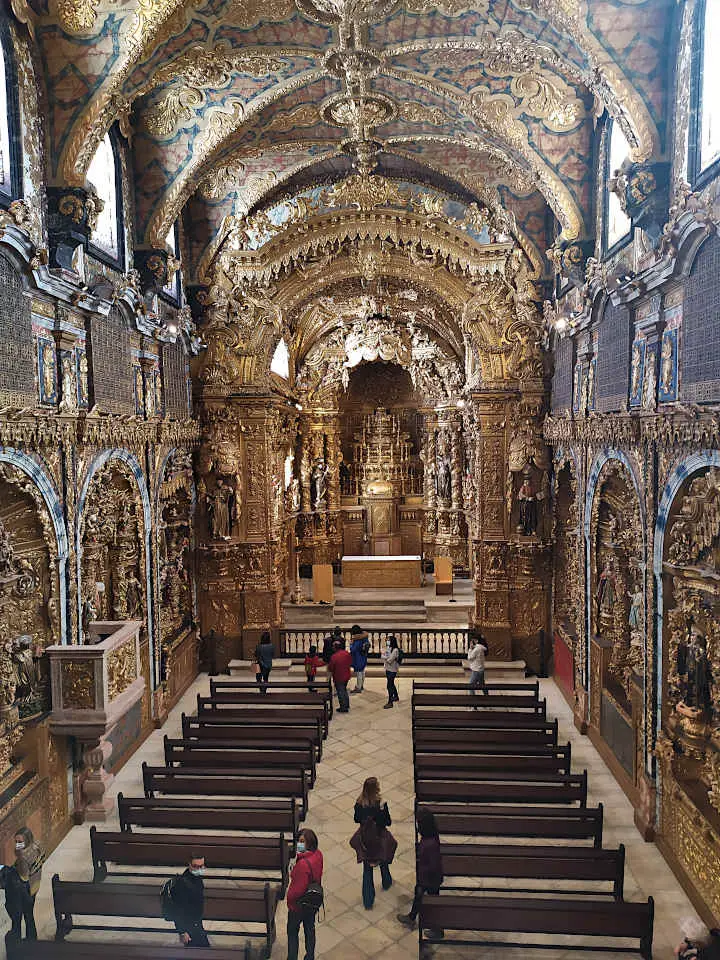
377, 614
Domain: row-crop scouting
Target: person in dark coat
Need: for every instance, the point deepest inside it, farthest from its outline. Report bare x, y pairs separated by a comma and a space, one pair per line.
308, 869
372, 841
264, 653
359, 650
429, 870
188, 898
329, 644
19, 903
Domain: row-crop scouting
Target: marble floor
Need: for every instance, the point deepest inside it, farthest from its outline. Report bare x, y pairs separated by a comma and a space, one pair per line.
372, 741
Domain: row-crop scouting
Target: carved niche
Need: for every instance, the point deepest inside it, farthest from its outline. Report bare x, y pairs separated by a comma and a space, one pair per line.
29, 593
567, 599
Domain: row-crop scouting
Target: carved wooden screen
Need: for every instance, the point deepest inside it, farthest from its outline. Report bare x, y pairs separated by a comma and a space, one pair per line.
111, 363
700, 337
613, 359
563, 376
17, 364
174, 375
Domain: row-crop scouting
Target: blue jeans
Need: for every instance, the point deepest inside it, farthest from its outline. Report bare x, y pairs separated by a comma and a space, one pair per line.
477, 681
342, 695
368, 883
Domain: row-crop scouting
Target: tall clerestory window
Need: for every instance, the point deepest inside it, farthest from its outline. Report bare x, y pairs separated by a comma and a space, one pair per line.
9, 137
705, 138
104, 174
617, 223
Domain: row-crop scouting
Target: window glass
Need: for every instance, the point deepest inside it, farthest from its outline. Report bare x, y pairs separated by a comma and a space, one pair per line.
710, 91
102, 175
618, 224
5, 169
281, 361
171, 287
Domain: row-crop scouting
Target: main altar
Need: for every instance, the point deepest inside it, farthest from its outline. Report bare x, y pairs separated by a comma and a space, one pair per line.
393, 572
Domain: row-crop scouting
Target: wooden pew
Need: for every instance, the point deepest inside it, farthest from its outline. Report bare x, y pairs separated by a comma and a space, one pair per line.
531, 862
257, 712
212, 727
479, 739
481, 701
479, 720
269, 854
246, 903
520, 822
114, 950
433, 766
491, 787
211, 781
214, 753
605, 919
322, 691
223, 815
494, 686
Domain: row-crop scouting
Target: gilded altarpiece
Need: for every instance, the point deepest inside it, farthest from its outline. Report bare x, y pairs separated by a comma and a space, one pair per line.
569, 649
688, 747
113, 562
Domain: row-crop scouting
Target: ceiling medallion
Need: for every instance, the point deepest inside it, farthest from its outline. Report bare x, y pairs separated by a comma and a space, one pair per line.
358, 112
340, 11
351, 64
363, 153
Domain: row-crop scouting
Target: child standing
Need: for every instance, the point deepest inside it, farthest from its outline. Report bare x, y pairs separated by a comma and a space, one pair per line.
312, 662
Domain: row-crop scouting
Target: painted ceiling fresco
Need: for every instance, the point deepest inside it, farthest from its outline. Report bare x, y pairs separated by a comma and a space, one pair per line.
227, 100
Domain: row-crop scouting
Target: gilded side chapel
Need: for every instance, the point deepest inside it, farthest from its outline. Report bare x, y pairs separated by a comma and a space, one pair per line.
288, 287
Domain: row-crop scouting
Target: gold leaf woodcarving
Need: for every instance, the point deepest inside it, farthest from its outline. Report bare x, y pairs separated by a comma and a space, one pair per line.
214, 68
365, 192
247, 13
306, 115
77, 16
543, 98
220, 182
177, 106
415, 112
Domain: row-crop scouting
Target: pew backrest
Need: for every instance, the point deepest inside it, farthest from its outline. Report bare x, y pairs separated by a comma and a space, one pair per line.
210, 753
213, 727
492, 787
518, 822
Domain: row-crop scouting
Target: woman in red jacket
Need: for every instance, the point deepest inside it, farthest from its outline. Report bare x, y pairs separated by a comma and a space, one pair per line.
308, 869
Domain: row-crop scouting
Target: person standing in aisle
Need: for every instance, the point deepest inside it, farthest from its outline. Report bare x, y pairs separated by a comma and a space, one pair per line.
359, 649
372, 842
429, 870
340, 668
264, 653
308, 870
391, 659
476, 658
312, 664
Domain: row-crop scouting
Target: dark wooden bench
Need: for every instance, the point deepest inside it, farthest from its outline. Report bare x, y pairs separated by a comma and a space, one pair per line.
256, 710
491, 787
250, 816
113, 950
322, 691
212, 781
269, 854
213, 727
213, 753
606, 919
531, 862
481, 702
479, 720
521, 822
434, 765
481, 738
242, 903
494, 686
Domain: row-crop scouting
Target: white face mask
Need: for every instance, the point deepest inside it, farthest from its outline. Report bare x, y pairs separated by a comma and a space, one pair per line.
301, 846
197, 871
20, 845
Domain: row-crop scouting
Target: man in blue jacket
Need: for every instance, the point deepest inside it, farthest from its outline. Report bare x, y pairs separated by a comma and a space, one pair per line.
359, 650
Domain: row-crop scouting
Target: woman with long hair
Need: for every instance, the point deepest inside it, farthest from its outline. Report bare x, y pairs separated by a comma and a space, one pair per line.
429, 869
391, 658
372, 841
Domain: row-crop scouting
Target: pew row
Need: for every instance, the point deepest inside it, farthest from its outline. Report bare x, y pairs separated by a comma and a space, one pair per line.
322, 689
248, 854
437, 765
482, 701
519, 822
479, 720
243, 903
213, 753
493, 686
608, 920
256, 711
199, 813
213, 727
490, 787
113, 950
482, 739
211, 781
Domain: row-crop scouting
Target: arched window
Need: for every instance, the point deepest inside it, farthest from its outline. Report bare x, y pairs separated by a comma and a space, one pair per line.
280, 363
705, 133
172, 287
9, 136
104, 174
617, 223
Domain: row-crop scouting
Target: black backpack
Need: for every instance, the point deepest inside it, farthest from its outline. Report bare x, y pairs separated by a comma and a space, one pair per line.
401, 655
167, 905
313, 898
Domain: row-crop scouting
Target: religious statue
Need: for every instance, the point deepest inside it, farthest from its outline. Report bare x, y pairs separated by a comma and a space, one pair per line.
590, 388
694, 670
68, 401
635, 617
444, 480
607, 588
527, 497
650, 385
293, 496
48, 373
133, 597
318, 484
83, 379
89, 615
26, 674
220, 503
8, 678
635, 370
666, 365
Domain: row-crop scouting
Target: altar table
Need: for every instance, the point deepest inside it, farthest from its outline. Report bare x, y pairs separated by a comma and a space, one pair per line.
401, 571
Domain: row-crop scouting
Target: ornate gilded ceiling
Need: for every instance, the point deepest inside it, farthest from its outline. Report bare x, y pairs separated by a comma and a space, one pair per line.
228, 100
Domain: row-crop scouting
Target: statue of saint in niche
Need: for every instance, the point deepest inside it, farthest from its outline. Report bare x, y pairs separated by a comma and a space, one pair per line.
527, 497
318, 484
444, 480
607, 588
221, 510
694, 670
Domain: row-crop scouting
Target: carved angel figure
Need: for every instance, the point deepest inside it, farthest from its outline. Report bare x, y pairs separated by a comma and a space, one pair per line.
607, 588
694, 670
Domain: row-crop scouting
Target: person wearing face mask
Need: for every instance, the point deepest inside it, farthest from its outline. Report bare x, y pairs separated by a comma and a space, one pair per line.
21, 882
188, 899
308, 870
391, 659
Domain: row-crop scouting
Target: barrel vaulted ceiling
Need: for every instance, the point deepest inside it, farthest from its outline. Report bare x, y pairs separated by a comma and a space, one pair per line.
230, 101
